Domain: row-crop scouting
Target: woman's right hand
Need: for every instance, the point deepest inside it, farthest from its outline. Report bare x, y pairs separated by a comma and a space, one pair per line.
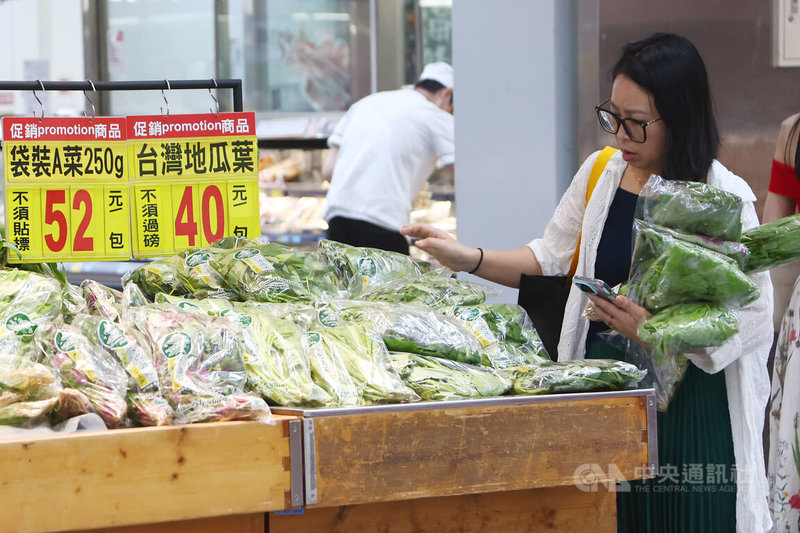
448, 251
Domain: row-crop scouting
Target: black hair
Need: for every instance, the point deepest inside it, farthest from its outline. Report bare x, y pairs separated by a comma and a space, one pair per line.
786, 148
432, 86
670, 68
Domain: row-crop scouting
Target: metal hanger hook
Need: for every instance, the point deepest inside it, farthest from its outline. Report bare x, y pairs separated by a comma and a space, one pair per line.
216, 102
41, 107
90, 102
166, 116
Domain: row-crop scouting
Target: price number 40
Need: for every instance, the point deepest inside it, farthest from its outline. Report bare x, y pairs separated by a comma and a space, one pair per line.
185, 223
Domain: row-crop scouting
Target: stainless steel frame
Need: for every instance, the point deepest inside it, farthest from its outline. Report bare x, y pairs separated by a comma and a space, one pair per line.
296, 470
310, 461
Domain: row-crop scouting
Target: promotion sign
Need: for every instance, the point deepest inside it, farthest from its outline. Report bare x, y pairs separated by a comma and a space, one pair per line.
66, 183
194, 179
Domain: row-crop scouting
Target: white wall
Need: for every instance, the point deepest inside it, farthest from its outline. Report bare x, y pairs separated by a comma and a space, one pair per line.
515, 98
41, 39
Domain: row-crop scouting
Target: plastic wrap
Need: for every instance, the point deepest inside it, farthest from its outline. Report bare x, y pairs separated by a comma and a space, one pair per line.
191, 409
413, 328
86, 366
130, 347
72, 302
101, 300
652, 240
274, 273
157, 276
194, 354
676, 330
28, 302
586, 375
149, 409
434, 378
364, 357
686, 273
773, 244
207, 306
199, 277
278, 367
431, 289
691, 207
363, 269
26, 380
27, 414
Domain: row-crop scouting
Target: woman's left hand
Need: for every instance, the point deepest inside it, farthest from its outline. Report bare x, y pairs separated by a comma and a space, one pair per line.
623, 316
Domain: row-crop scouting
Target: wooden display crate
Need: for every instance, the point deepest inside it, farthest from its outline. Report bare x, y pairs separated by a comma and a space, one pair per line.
414, 466
237, 470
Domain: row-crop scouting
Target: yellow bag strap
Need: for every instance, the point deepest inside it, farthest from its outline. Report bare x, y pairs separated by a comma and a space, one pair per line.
597, 169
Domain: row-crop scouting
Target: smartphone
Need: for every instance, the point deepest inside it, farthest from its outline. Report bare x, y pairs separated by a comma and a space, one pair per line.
594, 286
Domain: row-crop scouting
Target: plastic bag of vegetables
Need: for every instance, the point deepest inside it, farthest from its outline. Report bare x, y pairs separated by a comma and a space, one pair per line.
278, 367
87, 367
72, 302
652, 240
192, 408
150, 409
274, 273
363, 269
587, 375
101, 300
207, 306
678, 329
363, 356
28, 302
194, 354
432, 289
434, 378
684, 273
25, 380
691, 207
199, 277
505, 332
129, 346
413, 328
157, 276
773, 244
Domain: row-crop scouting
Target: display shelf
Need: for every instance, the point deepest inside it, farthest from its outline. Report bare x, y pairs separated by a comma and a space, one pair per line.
230, 470
368, 467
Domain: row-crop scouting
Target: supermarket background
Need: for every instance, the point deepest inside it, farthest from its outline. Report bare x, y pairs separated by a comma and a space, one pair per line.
528, 75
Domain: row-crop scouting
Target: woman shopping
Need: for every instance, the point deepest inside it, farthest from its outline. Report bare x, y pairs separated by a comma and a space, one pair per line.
783, 200
661, 115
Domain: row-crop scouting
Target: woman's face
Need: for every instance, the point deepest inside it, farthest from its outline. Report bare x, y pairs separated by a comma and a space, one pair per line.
629, 100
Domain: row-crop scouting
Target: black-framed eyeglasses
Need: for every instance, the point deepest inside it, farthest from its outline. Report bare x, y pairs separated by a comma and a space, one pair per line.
610, 122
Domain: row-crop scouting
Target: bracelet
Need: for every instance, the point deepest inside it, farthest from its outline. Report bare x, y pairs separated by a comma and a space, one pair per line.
479, 263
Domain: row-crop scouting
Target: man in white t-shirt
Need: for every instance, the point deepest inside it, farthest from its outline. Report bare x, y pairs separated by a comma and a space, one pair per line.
381, 153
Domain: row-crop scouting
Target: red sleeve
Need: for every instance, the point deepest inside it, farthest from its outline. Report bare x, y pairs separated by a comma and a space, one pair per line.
783, 180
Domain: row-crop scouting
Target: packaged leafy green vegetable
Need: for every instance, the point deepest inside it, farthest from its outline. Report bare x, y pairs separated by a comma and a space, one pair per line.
192, 408
773, 244
206, 306
586, 375
691, 207
149, 409
364, 357
275, 273
199, 277
652, 240
27, 414
413, 328
72, 302
688, 326
434, 378
431, 289
131, 349
28, 302
157, 276
194, 354
278, 367
328, 369
101, 300
85, 366
363, 269
132, 296
26, 380
686, 273
233, 241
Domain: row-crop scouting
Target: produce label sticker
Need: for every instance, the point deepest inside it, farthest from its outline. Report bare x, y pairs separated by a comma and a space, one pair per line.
66, 183
206, 167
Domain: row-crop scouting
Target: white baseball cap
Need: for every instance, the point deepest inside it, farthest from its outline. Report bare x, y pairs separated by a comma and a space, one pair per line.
440, 71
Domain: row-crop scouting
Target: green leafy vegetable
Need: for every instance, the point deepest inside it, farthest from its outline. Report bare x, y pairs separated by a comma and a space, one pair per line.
773, 244
157, 276
441, 379
431, 289
689, 326
199, 277
587, 375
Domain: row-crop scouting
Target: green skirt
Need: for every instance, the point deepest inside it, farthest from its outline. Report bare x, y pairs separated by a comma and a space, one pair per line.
695, 488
